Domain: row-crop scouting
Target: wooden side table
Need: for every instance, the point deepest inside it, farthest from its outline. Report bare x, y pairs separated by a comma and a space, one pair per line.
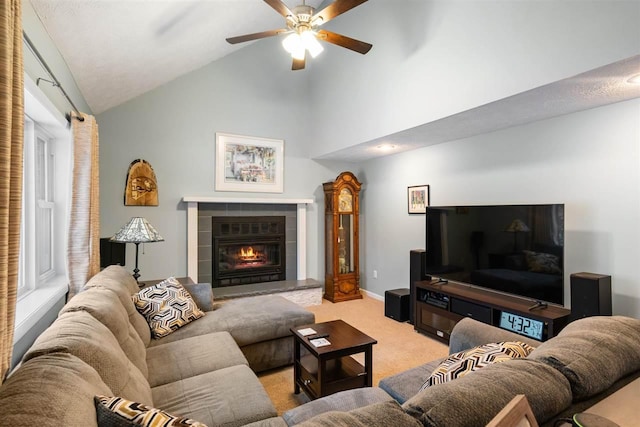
320, 371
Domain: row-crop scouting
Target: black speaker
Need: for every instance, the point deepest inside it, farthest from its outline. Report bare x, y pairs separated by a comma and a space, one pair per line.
111, 252
417, 259
396, 304
590, 295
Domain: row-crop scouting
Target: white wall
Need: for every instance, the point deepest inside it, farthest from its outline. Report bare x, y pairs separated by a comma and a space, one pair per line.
431, 59
590, 161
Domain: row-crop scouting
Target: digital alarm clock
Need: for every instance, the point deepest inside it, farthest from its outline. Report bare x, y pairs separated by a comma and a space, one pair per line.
522, 325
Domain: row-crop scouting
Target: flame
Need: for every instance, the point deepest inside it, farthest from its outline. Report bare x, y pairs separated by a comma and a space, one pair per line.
248, 253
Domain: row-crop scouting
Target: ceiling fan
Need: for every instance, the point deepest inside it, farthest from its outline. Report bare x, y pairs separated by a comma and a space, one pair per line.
302, 26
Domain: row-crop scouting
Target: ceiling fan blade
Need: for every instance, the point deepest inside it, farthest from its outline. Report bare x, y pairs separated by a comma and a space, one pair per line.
255, 36
344, 41
298, 64
280, 7
336, 8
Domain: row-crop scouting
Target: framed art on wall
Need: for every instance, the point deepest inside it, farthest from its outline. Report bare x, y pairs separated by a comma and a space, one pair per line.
248, 163
418, 199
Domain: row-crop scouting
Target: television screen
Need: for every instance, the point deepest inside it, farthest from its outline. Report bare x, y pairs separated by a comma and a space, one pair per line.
517, 249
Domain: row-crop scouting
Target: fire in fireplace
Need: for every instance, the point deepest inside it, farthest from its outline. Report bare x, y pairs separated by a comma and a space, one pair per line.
248, 250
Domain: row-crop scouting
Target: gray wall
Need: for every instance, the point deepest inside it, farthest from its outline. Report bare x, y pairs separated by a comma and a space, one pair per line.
173, 127
590, 161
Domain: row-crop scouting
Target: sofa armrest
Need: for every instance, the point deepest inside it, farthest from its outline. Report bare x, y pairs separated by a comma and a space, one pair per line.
469, 333
202, 294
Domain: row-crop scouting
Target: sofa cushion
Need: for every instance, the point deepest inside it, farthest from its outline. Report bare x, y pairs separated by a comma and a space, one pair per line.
462, 363
269, 422
120, 281
378, 414
231, 397
119, 412
83, 336
202, 294
342, 401
406, 384
52, 390
104, 305
167, 306
248, 320
474, 399
192, 356
593, 352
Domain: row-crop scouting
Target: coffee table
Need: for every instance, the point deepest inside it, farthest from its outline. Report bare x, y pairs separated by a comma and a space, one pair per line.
320, 371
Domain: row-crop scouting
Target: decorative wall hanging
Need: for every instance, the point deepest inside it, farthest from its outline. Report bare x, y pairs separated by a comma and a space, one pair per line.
245, 163
418, 199
142, 186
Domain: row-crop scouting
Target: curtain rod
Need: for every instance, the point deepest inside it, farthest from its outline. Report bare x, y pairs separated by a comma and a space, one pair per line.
55, 82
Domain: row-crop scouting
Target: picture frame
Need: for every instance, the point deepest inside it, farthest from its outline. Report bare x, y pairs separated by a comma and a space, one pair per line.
248, 163
418, 199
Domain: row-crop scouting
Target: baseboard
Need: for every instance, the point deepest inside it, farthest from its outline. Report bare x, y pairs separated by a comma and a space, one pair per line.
372, 295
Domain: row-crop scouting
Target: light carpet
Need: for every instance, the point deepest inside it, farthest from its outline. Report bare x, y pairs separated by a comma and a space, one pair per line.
399, 347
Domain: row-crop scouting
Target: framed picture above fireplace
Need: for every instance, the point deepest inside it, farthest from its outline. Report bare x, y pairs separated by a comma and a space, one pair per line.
248, 163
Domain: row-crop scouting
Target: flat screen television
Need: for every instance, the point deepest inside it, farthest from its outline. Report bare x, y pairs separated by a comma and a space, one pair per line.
514, 249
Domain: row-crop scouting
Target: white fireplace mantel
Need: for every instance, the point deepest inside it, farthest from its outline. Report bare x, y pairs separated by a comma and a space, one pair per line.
192, 227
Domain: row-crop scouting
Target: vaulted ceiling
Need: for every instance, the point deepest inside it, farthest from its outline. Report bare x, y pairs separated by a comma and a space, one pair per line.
118, 50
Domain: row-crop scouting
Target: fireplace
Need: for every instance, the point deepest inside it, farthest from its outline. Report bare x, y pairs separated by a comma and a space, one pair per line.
247, 249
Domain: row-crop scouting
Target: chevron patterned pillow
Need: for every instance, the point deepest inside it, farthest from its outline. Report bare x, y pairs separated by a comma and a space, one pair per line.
460, 364
119, 412
167, 306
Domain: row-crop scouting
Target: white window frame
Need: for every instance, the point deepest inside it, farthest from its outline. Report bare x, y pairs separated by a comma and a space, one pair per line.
36, 236
39, 292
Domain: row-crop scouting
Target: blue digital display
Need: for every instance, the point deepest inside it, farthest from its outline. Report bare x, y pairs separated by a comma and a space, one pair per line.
522, 325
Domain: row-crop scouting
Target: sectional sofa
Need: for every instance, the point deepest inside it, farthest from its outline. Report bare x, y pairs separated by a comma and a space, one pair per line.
590, 359
100, 345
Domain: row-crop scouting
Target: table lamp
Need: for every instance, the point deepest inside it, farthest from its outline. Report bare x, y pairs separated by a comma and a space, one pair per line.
137, 230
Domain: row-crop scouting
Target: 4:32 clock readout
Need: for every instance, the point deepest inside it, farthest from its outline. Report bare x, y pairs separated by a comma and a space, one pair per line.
521, 325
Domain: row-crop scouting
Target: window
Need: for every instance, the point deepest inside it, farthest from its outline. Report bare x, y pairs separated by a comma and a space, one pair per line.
37, 263
42, 276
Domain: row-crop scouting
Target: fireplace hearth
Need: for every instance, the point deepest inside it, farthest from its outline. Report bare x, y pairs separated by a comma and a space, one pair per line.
247, 249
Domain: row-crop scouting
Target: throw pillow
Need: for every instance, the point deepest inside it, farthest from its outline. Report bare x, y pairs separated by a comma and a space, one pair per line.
167, 306
460, 364
119, 412
539, 262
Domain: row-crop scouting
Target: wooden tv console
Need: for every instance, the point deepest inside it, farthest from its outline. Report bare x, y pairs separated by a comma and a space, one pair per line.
439, 306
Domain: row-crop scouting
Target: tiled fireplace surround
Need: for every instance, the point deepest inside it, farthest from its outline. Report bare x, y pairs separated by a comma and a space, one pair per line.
296, 287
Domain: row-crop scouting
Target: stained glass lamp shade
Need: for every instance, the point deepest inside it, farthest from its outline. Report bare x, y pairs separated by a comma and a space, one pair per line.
137, 230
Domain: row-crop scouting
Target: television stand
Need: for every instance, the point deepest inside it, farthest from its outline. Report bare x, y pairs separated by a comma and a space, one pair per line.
438, 307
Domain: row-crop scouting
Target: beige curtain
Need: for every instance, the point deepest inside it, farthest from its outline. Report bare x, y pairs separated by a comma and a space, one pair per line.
11, 143
84, 232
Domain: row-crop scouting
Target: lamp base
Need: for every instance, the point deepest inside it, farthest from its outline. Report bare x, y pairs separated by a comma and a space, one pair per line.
136, 271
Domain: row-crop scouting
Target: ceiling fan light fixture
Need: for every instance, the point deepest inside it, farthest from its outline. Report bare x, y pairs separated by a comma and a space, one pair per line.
292, 43
311, 43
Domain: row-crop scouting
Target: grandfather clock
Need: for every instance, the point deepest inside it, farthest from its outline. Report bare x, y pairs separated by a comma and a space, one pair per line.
342, 209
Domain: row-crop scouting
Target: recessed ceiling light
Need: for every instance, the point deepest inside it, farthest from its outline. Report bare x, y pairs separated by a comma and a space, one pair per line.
386, 147
634, 79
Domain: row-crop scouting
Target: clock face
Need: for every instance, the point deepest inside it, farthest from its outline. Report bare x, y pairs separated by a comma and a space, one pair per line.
522, 325
345, 201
